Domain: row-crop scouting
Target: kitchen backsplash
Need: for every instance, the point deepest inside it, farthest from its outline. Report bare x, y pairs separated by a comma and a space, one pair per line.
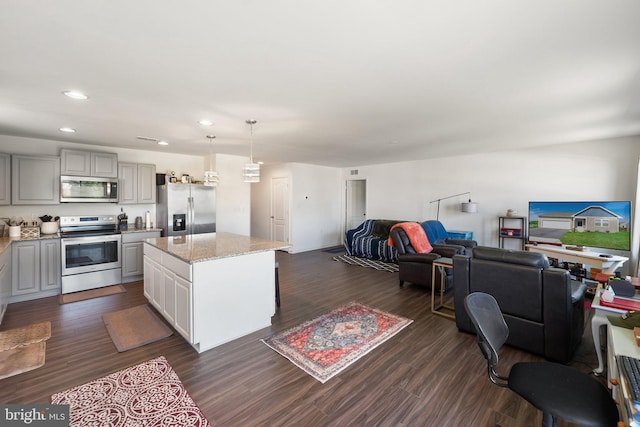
63, 209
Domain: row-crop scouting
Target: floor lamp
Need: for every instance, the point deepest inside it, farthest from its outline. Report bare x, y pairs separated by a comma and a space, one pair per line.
467, 207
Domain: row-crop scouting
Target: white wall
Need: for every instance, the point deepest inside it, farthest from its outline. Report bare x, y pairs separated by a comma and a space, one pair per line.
314, 202
261, 199
315, 206
233, 204
595, 170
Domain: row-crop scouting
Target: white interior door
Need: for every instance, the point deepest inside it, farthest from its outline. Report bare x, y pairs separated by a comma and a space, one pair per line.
280, 209
356, 203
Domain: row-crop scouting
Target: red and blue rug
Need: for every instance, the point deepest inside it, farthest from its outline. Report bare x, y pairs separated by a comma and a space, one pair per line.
326, 345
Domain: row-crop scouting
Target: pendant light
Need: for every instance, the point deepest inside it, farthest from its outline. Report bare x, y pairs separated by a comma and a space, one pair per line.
211, 176
251, 170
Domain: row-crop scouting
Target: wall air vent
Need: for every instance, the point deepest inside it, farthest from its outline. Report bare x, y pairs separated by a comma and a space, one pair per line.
147, 138
354, 172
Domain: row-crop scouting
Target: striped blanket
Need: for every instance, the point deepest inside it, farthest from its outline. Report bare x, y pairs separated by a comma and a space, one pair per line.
363, 243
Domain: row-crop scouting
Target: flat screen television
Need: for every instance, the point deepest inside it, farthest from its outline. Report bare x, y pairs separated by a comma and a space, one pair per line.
604, 225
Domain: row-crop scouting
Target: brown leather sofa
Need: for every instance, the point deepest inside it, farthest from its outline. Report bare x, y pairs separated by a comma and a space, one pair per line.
542, 306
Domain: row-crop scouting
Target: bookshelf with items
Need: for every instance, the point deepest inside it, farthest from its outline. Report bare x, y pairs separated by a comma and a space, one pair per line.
512, 227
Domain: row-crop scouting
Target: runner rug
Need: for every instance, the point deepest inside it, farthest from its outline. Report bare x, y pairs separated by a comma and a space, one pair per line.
148, 394
325, 346
365, 262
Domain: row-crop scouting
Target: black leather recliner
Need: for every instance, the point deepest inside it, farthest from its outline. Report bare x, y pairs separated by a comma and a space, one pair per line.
416, 267
542, 306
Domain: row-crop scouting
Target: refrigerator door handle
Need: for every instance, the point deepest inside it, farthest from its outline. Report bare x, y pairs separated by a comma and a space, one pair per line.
192, 215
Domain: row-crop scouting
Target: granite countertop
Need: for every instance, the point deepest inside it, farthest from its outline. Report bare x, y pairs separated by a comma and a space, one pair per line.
209, 246
5, 242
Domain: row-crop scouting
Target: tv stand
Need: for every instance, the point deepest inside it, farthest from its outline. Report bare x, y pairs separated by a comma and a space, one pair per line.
607, 265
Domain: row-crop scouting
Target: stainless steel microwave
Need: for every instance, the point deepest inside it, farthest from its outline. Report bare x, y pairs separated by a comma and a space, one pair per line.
81, 189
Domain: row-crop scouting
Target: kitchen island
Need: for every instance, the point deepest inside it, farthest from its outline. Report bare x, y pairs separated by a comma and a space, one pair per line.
214, 287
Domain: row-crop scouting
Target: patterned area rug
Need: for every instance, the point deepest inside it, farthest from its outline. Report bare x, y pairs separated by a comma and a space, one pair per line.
325, 346
365, 262
148, 394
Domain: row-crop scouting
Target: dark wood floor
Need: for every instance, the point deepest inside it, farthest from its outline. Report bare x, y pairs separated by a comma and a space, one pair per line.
428, 375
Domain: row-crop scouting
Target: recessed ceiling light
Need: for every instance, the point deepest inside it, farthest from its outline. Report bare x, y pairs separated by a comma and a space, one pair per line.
205, 122
68, 130
75, 94
163, 143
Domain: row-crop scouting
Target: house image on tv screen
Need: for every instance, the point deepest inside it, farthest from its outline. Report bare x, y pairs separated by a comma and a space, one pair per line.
593, 218
603, 225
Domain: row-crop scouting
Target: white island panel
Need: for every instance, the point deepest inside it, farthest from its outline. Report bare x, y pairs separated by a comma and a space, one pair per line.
212, 288
232, 297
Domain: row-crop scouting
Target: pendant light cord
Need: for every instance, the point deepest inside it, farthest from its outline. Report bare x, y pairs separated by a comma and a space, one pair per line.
251, 122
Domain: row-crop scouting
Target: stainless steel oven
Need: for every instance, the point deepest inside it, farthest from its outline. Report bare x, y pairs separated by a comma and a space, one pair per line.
91, 252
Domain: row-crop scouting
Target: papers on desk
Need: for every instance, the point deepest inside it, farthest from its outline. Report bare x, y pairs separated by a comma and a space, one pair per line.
629, 304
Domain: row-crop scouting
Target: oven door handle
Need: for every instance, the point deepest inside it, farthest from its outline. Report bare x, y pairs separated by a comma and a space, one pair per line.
90, 239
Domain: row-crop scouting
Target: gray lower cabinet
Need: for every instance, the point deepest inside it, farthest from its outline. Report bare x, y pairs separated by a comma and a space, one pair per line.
5, 176
5, 280
35, 269
35, 180
133, 256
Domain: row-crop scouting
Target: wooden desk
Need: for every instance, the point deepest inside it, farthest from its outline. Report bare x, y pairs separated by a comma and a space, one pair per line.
607, 265
441, 264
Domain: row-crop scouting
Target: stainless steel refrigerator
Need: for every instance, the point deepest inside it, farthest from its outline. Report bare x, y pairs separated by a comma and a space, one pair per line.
186, 209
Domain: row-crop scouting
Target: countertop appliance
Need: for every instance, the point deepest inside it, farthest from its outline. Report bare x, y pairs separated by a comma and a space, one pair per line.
186, 209
91, 252
80, 189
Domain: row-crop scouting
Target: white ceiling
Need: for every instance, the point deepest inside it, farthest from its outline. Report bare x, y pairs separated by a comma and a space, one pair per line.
336, 83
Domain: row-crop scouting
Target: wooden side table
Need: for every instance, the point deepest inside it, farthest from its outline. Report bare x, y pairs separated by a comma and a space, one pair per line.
441, 264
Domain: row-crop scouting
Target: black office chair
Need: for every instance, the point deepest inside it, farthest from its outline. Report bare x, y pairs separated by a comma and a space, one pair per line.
559, 391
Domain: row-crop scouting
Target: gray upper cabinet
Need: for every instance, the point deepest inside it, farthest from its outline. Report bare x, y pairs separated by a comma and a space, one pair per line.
35, 180
146, 183
75, 162
137, 183
5, 176
127, 183
88, 163
104, 165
